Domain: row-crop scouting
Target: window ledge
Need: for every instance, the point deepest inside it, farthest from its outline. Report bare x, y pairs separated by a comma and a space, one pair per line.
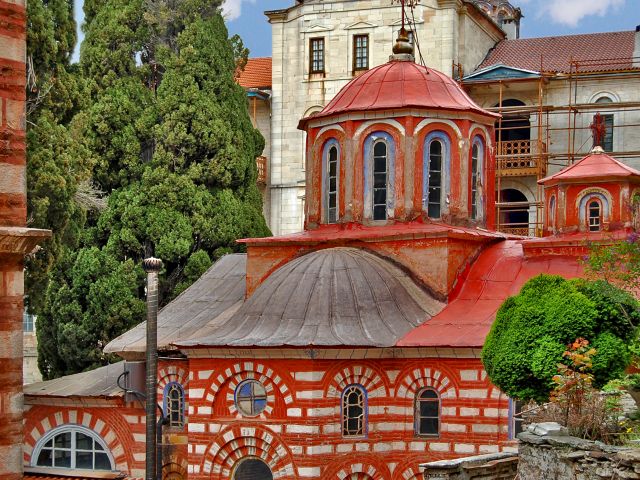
75, 472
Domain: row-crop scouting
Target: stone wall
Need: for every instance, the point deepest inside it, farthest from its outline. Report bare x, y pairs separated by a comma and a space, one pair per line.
557, 456
497, 466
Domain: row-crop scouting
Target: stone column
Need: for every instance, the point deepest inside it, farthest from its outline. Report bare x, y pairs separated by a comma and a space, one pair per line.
15, 239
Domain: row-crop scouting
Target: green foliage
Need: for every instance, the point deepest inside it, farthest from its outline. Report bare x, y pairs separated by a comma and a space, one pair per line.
92, 298
166, 133
529, 336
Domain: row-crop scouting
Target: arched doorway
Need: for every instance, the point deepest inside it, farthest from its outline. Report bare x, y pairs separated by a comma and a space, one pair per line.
514, 218
252, 469
515, 125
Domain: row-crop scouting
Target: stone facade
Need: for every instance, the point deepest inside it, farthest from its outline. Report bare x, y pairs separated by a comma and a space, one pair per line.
449, 32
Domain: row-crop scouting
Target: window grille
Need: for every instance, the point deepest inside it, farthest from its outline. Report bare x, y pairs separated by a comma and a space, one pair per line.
28, 322
607, 141
474, 180
174, 405
360, 52
73, 448
316, 55
251, 398
435, 179
594, 212
427, 414
380, 180
332, 185
353, 411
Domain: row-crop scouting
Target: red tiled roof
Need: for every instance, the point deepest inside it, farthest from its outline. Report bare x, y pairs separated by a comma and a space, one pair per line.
257, 73
499, 272
596, 51
400, 84
593, 166
338, 233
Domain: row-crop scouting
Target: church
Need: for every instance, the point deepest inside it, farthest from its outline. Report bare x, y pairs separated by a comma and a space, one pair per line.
350, 350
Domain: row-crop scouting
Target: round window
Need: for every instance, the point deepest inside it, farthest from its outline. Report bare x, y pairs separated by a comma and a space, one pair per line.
251, 398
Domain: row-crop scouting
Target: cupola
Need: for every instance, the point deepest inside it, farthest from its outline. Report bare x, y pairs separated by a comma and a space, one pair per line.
400, 142
597, 193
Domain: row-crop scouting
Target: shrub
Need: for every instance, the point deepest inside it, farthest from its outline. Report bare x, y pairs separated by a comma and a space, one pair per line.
529, 336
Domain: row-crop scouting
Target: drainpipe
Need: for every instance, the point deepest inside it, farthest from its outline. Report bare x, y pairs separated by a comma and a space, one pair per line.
152, 266
636, 48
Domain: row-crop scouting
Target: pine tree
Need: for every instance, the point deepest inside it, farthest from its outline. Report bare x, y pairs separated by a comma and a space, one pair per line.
169, 133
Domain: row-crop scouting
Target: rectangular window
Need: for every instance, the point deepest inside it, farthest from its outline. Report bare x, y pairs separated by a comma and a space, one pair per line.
316, 55
28, 322
607, 141
360, 52
516, 423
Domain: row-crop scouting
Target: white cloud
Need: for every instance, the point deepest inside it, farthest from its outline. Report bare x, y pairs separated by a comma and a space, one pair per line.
232, 9
570, 12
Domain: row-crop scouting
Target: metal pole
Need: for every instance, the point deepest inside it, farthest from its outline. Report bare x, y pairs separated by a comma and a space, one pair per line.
152, 266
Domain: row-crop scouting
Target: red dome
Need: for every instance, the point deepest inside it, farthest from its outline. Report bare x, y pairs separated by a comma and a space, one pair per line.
400, 84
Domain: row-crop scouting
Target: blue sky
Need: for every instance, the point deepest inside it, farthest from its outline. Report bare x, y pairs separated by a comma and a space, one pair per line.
542, 18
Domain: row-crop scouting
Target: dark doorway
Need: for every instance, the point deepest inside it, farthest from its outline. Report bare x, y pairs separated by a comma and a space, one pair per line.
514, 217
515, 126
252, 469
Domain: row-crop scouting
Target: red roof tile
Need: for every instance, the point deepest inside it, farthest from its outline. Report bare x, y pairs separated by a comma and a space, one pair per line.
338, 233
400, 84
499, 272
595, 165
596, 51
257, 73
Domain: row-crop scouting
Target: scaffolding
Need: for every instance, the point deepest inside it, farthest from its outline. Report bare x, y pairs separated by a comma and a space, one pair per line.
535, 140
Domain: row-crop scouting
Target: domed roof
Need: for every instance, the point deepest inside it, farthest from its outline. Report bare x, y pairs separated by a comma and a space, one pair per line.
596, 165
400, 84
331, 297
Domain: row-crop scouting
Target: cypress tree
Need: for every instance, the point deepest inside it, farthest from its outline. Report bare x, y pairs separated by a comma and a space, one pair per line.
168, 132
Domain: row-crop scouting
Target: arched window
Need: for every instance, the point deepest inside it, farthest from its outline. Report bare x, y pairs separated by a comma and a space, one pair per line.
435, 173
252, 469
594, 215
174, 404
552, 212
72, 446
354, 411
331, 178
378, 176
427, 412
477, 162
380, 180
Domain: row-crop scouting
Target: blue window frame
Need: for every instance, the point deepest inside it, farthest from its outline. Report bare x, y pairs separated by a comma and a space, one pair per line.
379, 176
436, 167
331, 180
477, 162
173, 404
354, 411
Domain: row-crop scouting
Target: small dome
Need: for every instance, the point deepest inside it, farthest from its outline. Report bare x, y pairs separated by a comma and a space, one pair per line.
400, 84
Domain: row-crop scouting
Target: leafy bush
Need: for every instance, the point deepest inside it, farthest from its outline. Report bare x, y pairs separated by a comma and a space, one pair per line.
529, 336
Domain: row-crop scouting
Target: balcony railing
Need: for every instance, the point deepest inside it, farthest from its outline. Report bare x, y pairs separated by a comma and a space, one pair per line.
519, 158
261, 162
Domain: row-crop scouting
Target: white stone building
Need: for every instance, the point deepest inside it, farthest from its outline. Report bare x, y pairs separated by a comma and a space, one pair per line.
319, 45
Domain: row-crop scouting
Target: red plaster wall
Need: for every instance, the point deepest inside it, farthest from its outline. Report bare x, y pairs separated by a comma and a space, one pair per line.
299, 434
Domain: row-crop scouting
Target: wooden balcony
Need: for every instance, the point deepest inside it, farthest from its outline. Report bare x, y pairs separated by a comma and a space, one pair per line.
261, 162
519, 158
